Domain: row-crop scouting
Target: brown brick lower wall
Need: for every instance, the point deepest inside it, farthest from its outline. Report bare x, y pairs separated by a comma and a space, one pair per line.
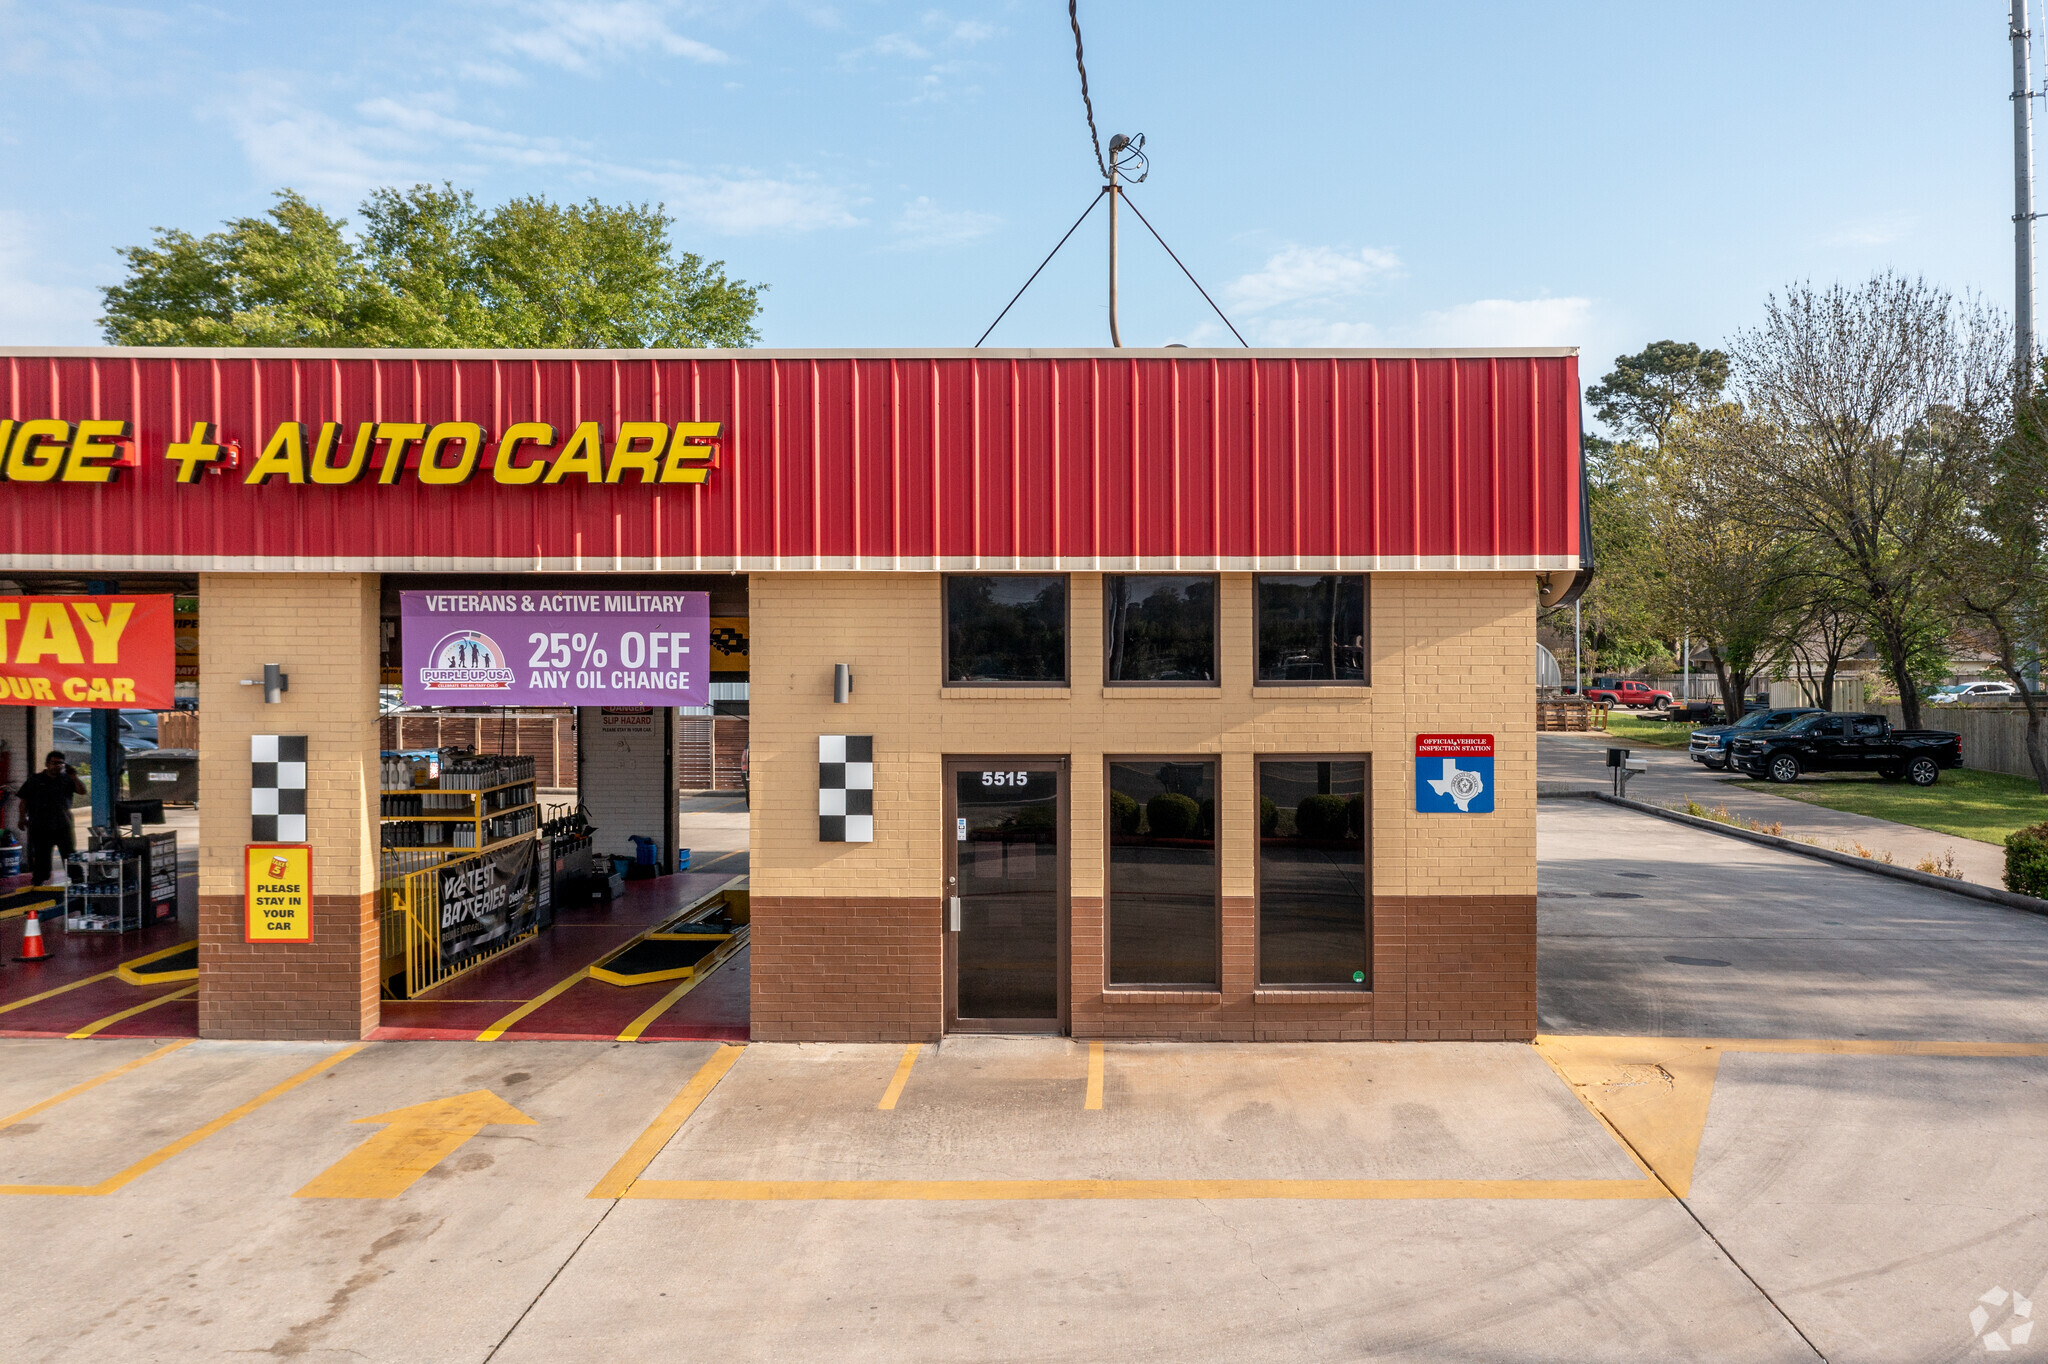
1445, 968
829, 969
323, 990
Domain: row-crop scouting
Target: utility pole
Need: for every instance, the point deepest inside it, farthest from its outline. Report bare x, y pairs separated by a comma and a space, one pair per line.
2023, 197
1116, 146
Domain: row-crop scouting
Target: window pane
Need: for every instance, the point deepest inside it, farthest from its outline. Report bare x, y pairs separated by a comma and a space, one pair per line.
1006, 629
1312, 889
1162, 873
1312, 628
1159, 628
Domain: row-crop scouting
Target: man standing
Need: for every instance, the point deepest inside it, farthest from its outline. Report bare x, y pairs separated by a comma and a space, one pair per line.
46, 814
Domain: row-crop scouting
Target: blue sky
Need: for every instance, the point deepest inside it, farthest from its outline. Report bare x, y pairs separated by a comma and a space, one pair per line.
1600, 175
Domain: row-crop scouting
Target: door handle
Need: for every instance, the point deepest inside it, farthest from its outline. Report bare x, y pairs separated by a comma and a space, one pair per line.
953, 913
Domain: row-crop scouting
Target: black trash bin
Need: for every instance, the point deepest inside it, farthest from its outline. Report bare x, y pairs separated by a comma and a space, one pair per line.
169, 776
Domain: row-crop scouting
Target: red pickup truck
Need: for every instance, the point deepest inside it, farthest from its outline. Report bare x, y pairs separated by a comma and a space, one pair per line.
1628, 692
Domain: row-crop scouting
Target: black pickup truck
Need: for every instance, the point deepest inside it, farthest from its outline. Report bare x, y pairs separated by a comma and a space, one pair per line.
1846, 743
1709, 746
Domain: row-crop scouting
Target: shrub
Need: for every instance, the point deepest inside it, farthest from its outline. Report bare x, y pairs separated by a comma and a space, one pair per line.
1269, 817
1124, 813
1354, 816
1321, 817
2026, 861
1172, 815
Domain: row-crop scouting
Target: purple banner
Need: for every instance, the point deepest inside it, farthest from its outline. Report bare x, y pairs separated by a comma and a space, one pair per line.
556, 648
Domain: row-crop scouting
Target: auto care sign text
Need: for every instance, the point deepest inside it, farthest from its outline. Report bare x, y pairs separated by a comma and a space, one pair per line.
104, 653
556, 648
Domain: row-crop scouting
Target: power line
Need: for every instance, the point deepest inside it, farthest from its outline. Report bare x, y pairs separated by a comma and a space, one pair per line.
1074, 18
1048, 261
1185, 271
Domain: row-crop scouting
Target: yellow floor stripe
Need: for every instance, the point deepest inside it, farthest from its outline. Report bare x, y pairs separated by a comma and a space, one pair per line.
1061, 1190
902, 1076
1094, 1076
1809, 1046
189, 1140
497, 1029
647, 1146
89, 1029
21, 911
52, 994
667, 1001
94, 1083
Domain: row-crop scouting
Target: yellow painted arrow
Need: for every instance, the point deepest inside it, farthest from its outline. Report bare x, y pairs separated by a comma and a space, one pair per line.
414, 1141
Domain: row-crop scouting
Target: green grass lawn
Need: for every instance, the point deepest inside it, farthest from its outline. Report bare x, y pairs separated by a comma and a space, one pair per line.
1985, 806
1630, 730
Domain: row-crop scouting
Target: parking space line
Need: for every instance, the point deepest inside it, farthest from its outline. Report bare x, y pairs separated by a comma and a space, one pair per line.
189, 1140
902, 1076
52, 994
625, 1172
497, 1029
1094, 1099
94, 1083
89, 1029
1065, 1190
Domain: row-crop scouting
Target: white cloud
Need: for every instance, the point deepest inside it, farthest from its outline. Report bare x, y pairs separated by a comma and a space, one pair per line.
923, 225
33, 310
579, 35
394, 142
1509, 322
1310, 274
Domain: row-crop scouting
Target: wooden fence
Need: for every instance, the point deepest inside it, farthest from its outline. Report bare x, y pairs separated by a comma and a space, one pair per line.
1994, 737
546, 736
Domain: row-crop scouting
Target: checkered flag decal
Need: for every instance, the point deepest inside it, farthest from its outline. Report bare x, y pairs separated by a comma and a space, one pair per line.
846, 788
277, 788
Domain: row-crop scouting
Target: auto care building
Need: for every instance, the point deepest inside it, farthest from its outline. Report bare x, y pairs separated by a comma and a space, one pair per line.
1175, 694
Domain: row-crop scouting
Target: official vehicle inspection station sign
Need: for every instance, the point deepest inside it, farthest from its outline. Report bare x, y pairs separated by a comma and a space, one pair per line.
278, 899
1454, 774
556, 648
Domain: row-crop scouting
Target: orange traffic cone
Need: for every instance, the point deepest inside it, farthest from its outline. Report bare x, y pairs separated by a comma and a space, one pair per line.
32, 948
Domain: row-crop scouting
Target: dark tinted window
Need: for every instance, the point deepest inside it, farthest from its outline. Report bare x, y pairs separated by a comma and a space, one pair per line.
1006, 629
1312, 887
1312, 628
1866, 727
1159, 628
1825, 727
1162, 873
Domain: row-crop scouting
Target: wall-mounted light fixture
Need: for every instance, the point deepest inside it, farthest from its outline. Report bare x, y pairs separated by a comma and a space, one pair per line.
275, 683
842, 683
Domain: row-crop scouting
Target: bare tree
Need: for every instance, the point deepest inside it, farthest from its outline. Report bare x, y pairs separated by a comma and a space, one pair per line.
1882, 398
1823, 633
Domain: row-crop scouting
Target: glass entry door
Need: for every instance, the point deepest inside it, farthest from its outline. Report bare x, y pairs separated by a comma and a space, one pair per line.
1005, 907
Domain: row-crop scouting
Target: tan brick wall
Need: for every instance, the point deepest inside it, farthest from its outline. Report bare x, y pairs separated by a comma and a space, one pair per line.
1454, 896
323, 628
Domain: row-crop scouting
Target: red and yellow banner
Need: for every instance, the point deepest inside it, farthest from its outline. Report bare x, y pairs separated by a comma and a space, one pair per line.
103, 653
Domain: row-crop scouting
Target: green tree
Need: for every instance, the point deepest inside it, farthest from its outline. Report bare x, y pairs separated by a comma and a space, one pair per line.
431, 270
1648, 390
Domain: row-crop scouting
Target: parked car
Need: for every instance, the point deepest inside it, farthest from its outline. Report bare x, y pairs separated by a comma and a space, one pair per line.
1628, 692
1847, 743
1973, 691
1709, 746
75, 743
135, 724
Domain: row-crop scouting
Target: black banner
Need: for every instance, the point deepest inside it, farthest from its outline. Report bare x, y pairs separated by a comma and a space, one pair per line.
488, 900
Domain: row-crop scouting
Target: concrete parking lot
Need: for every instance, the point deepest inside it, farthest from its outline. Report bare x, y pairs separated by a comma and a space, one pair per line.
1782, 1111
